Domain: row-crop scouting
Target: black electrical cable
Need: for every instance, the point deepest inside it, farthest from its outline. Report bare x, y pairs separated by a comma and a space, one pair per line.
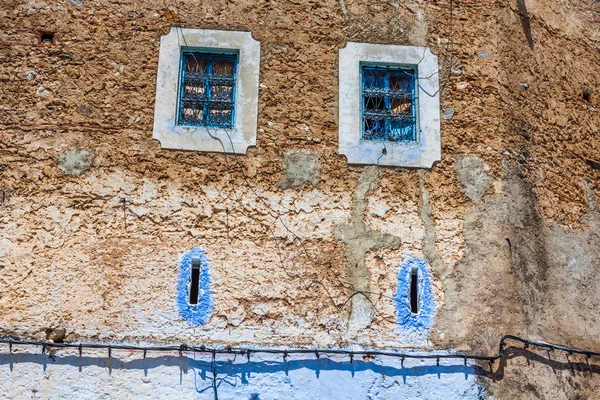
290, 351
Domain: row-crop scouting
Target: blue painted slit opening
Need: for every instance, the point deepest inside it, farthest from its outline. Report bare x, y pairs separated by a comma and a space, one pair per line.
414, 299
194, 298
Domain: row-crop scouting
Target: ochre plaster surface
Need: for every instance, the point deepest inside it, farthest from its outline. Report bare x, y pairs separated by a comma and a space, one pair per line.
507, 221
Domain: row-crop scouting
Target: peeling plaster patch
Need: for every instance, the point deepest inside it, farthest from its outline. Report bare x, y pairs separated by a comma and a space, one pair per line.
301, 168
148, 191
75, 161
450, 242
414, 325
197, 314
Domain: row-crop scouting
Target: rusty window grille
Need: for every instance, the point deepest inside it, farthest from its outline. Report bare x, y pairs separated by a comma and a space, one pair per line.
389, 103
207, 89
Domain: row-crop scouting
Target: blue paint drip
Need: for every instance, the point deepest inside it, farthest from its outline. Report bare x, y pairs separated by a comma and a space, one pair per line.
420, 322
197, 314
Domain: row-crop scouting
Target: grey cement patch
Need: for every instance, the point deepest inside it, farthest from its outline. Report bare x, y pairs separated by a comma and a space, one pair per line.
359, 240
473, 174
301, 168
84, 110
429, 249
75, 161
535, 277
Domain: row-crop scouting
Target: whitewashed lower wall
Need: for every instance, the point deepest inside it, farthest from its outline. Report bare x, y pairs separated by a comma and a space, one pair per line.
127, 375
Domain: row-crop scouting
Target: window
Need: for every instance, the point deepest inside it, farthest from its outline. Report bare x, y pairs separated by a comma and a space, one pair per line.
207, 90
389, 105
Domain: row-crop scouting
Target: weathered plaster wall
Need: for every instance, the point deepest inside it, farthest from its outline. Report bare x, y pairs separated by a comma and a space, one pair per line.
303, 248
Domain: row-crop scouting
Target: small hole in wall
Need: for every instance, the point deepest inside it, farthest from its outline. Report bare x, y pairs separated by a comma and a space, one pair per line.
195, 281
414, 290
587, 94
47, 37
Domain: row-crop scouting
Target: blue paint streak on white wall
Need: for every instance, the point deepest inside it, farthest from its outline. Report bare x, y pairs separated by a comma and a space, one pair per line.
417, 324
197, 314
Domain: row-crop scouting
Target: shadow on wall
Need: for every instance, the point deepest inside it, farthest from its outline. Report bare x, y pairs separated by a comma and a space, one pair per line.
323, 378
332, 378
525, 22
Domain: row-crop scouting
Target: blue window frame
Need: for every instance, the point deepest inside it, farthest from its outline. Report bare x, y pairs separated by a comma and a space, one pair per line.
207, 89
389, 103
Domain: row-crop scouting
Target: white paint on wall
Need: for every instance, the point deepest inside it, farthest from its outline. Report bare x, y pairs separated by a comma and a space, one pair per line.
166, 376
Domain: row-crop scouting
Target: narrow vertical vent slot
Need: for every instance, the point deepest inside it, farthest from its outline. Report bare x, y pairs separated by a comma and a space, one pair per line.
414, 290
195, 280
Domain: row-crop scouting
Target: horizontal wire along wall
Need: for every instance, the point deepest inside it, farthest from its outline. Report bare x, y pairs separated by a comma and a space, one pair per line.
181, 348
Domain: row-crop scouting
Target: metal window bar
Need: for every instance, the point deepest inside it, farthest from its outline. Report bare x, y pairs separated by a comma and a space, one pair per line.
207, 89
389, 104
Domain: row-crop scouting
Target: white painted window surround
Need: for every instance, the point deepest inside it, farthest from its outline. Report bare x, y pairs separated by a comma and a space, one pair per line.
427, 149
243, 133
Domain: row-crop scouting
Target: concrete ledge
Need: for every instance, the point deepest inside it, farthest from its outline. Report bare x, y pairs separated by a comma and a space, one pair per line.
427, 149
243, 134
